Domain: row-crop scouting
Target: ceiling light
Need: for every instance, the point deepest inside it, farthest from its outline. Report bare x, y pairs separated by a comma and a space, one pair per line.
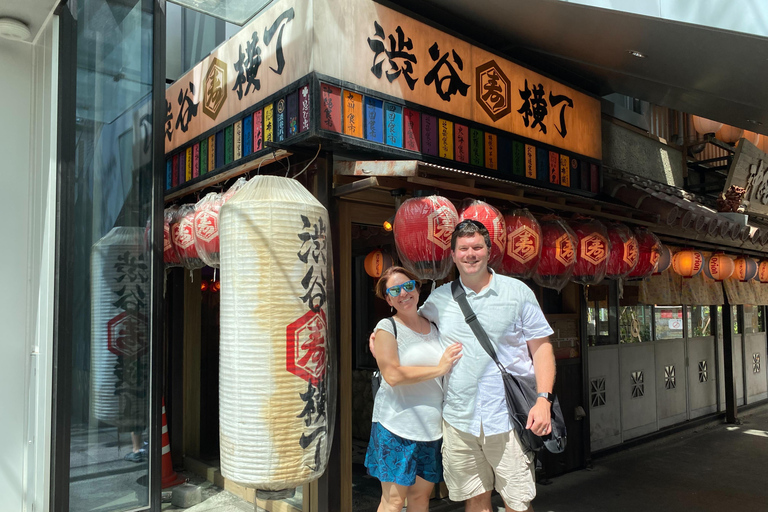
14, 29
635, 53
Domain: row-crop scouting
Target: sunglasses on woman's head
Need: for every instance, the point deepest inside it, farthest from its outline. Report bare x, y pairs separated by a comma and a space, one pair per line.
408, 286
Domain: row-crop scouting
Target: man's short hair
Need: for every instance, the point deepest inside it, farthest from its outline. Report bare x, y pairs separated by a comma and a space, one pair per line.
469, 227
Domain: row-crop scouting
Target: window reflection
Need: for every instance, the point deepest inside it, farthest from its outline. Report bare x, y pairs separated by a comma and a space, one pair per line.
753, 319
635, 324
699, 321
598, 332
668, 322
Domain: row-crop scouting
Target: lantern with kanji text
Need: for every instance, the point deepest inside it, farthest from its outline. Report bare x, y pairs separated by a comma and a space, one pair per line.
687, 262
762, 271
377, 262
493, 221
648, 254
744, 269
592, 251
423, 228
184, 237
558, 253
624, 251
719, 267
523, 244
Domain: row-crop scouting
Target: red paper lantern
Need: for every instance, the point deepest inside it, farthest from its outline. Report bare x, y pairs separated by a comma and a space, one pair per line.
493, 221
423, 228
592, 252
206, 224
183, 233
762, 271
377, 262
624, 251
687, 262
665, 259
170, 254
523, 244
648, 257
745, 269
558, 253
719, 267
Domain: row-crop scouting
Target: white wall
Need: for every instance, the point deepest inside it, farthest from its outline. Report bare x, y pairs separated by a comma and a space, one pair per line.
27, 212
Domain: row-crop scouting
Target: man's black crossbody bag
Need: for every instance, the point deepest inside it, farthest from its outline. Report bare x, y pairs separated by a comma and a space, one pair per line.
520, 391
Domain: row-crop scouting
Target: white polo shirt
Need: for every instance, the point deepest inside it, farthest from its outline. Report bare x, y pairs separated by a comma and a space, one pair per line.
510, 314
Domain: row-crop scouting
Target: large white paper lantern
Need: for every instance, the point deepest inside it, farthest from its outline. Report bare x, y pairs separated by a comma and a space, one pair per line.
120, 291
276, 411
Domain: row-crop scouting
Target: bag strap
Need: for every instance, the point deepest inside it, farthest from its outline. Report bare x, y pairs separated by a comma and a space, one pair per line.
394, 325
460, 296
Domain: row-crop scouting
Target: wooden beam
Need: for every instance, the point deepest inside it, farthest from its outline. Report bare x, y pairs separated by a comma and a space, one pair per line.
356, 186
226, 175
400, 168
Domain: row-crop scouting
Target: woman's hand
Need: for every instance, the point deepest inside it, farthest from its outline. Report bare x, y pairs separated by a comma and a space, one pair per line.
451, 355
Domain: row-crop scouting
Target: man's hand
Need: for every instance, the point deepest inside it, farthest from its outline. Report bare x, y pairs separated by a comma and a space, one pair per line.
540, 417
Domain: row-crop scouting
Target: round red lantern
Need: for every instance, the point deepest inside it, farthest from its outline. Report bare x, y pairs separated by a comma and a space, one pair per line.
762, 271
423, 228
648, 255
184, 237
377, 262
624, 251
687, 262
170, 255
558, 253
665, 259
719, 267
523, 244
207, 228
744, 269
493, 221
592, 251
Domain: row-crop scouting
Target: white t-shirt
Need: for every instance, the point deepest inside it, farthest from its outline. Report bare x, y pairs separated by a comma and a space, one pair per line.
412, 411
474, 391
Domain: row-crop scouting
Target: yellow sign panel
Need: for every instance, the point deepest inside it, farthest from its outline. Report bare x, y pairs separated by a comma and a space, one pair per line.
353, 114
269, 123
445, 139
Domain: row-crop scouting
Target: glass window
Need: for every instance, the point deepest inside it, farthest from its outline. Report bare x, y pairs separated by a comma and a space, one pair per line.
753, 319
735, 319
699, 321
668, 321
597, 315
634, 324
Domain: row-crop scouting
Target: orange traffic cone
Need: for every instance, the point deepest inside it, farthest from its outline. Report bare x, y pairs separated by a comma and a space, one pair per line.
169, 476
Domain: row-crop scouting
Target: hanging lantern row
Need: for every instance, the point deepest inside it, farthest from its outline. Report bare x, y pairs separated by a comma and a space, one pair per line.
719, 267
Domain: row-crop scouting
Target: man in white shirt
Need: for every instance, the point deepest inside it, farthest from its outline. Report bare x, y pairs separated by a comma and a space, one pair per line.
481, 451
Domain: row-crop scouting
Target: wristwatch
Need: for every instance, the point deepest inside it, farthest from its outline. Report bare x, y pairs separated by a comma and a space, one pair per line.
549, 396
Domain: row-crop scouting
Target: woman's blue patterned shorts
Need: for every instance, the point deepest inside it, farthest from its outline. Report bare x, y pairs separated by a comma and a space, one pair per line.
391, 458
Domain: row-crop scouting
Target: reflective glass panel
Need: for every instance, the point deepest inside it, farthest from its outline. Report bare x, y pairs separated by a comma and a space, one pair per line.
634, 324
753, 319
668, 321
111, 279
699, 321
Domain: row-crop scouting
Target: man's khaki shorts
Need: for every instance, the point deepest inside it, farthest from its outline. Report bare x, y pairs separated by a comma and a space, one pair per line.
474, 465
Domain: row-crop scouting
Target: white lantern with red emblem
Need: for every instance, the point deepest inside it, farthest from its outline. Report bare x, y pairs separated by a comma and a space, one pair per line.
523, 244
592, 251
762, 271
423, 228
649, 246
745, 269
624, 251
558, 253
184, 237
170, 254
207, 228
276, 376
493, 221
119, 328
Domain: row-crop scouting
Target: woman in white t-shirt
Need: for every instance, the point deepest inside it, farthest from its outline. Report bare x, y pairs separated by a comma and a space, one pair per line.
404, 451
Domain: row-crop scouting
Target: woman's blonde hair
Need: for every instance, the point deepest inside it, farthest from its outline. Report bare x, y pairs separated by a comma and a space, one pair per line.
381, 284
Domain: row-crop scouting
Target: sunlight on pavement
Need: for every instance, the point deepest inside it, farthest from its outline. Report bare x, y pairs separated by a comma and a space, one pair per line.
759, 433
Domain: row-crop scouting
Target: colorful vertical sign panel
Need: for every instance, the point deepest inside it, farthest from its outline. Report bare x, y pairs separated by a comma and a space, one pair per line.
203, 156
238, 142
293, 113
220, 149
229, 144
575, 173
554, 168
196, 160
175, 170
429, 134
304, 111
505, 154
353, 114
374, 120
280, 120
461, 143
445, 139
530, 161
542, 164
518, 158
269, 123
211, 153
594, 178
247, 135
491, 152
412, 130
188, 164
565, 171
393, 125
258, 131
169, 173
330, 108
476, 150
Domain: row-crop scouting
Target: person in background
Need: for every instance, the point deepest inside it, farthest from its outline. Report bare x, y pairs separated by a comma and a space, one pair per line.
404, 451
